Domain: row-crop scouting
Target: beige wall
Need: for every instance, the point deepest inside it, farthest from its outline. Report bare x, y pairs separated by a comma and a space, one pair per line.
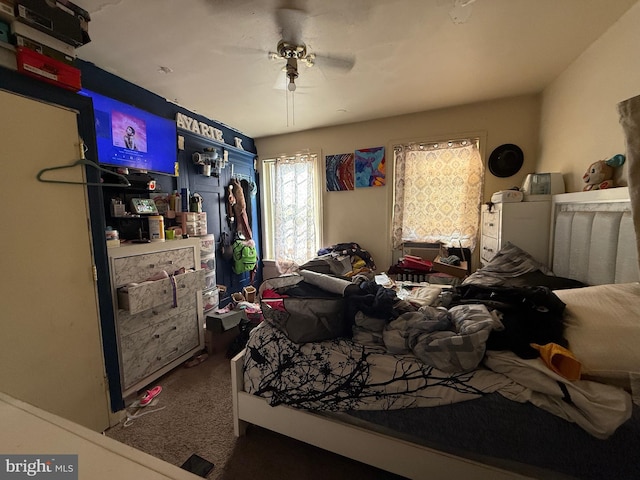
364, 215
579, 118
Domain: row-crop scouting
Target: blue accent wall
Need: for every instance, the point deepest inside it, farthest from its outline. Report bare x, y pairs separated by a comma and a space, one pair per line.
101, 81
211, 188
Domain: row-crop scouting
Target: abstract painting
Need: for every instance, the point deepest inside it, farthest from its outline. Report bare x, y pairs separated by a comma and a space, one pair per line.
370, 167
339, 172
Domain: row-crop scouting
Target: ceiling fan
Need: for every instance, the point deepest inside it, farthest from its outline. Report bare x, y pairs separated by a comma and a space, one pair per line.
292, 49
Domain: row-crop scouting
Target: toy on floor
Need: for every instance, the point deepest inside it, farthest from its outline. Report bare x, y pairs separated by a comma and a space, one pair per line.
599, 175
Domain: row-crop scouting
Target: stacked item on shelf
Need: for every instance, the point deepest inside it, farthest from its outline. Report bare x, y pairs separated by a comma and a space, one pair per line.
193, 223
45, 35
7, 50
210, 294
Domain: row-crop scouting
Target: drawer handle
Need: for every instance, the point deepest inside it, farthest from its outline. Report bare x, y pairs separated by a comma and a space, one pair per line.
151, 265
174, 327
172, 351
491, 224
157, 335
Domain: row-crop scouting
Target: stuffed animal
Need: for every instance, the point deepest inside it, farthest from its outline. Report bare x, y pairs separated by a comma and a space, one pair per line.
600, 174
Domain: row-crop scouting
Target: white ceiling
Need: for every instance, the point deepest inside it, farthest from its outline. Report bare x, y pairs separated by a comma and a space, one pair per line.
410, 55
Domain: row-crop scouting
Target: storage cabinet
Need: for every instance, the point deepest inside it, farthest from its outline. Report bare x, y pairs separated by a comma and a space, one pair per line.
158, 323
525, 224
210, 294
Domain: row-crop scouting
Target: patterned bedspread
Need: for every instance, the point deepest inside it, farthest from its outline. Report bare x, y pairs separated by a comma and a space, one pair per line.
340, 375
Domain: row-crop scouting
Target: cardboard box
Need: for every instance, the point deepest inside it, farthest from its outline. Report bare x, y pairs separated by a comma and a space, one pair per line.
220, 342
45, 50
25, 31
457, 271
8, 56
51, 18
221, 322
7, 10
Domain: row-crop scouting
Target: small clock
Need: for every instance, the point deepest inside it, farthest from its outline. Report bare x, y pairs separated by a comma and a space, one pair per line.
144, 206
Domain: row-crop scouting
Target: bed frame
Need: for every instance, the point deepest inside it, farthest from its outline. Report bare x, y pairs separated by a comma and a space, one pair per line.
592, 240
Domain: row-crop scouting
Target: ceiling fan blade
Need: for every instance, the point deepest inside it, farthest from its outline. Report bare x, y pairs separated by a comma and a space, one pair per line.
342, 64
291, 21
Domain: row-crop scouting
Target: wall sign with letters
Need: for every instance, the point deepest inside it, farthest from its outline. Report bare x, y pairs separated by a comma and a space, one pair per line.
199, 128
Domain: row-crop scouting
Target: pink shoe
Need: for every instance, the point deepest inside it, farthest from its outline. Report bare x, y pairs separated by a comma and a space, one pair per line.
150, 395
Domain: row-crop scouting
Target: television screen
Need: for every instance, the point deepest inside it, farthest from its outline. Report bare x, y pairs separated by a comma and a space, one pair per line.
132, 138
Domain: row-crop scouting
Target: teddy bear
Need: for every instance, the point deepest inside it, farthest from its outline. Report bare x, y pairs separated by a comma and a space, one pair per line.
599, 175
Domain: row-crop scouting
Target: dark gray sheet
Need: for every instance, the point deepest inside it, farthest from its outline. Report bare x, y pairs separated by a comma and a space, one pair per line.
517, 437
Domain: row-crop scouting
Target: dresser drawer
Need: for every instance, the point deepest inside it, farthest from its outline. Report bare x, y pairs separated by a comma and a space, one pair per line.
150, 349
491, 223
143, 296
488, 249
131, 323
137, 268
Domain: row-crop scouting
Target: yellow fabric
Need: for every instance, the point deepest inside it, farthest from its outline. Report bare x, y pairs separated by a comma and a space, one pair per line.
560, 360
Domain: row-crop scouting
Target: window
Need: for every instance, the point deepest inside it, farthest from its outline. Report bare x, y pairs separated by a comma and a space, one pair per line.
292, 208
438, 193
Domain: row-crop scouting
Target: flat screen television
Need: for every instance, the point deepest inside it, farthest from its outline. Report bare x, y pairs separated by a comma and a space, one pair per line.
129, 137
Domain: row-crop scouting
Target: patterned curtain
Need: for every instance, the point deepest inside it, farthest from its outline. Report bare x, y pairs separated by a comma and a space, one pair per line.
295, 209
438, 193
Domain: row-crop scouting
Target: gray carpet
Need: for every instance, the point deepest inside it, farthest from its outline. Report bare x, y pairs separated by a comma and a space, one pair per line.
197, 418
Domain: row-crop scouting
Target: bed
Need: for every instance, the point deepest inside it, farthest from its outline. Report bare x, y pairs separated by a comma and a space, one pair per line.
446, 436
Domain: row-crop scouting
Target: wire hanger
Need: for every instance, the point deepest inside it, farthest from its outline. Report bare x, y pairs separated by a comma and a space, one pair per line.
84, 161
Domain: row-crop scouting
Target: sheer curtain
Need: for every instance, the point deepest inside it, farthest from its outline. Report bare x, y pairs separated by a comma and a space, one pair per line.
295, 209
438, 193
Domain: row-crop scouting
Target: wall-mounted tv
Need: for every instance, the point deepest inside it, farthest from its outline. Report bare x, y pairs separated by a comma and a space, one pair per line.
129, 137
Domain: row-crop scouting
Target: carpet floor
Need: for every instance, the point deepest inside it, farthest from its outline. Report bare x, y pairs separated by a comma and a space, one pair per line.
197, 418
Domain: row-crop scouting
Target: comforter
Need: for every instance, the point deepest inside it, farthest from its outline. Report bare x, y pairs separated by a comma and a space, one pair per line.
341, 375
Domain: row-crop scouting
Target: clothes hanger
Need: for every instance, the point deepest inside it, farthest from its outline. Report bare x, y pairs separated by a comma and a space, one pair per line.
84, 161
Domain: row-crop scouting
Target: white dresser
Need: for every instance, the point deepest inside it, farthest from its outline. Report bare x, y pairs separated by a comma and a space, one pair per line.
158, 323
525, 224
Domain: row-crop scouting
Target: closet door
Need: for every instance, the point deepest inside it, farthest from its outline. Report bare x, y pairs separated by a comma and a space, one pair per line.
50, 347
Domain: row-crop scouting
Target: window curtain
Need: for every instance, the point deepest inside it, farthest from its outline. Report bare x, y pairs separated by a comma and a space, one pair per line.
295, 209
438, 193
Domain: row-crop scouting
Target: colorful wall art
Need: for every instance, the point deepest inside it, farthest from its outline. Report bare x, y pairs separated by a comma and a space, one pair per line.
370, 167
339, 172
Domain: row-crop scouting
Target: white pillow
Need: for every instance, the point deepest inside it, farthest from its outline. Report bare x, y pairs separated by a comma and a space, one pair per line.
602, 326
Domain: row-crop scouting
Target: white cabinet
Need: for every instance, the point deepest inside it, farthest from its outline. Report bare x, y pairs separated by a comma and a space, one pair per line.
525, 224
158, 323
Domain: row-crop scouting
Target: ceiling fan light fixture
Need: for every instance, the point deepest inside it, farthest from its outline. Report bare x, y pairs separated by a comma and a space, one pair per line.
290, 50
292, 73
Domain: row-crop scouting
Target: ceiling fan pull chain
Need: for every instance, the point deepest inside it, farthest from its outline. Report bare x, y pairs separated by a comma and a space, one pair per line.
286, 96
